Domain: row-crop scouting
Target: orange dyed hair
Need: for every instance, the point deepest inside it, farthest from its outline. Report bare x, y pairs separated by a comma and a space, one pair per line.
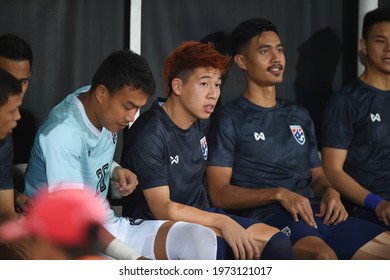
183, 60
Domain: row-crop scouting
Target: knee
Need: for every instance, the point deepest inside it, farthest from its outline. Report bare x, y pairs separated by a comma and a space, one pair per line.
314, 253
328, 255
279, 247
192, 241
198, 234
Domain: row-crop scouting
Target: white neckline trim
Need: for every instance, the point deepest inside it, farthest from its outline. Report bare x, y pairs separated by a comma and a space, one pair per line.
86, 120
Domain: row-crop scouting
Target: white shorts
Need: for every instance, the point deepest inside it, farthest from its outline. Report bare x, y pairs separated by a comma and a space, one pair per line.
138, 234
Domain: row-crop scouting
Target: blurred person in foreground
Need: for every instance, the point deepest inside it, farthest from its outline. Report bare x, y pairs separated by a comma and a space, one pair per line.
63, 225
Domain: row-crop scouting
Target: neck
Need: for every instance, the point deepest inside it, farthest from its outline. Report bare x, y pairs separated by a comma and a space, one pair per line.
179, 115
261, 96
87, 101
376, 79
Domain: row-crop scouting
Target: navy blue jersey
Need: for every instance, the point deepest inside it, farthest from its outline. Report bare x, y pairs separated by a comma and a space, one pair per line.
162, 154
265, 147
6, 158
357, 119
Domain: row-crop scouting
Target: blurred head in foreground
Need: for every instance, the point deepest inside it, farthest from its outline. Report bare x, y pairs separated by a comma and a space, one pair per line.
64, 224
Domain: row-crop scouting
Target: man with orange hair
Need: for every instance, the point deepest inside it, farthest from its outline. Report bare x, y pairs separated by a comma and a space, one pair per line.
167, 149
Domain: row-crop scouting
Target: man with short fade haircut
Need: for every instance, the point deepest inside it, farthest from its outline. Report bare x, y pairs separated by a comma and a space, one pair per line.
264, 160
16, 58
76, 144
167, 149
356, 128
10, 99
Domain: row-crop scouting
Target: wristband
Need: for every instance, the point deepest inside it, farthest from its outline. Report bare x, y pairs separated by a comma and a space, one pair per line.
372, 200
120, 251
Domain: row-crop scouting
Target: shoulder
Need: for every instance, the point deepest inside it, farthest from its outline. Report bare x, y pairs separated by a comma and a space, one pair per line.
6, 151
233, 110
147, 131
62, 126
347, 96
6, 144
293, 108
147, 123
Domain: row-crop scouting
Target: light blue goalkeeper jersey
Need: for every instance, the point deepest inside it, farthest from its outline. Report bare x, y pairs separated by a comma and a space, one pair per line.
68, 148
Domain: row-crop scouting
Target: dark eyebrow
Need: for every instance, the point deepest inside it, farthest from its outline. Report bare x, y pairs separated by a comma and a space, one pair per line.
379, 36
270, 46
208, 77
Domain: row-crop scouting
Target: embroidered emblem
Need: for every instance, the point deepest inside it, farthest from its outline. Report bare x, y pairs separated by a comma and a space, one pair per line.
203, 147
114, 137
298, 133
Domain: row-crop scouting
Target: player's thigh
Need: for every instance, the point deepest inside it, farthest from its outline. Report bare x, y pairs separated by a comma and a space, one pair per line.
376, 249
262, 232
138, 234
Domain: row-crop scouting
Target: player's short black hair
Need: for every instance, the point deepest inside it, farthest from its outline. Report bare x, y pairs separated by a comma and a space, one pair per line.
123, 68
9, 85
15, 48
375, 16
246, 30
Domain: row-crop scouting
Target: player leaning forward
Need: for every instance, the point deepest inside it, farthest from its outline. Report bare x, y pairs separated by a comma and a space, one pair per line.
76, 144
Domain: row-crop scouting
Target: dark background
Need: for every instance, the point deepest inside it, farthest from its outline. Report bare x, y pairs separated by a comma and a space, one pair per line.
70, 38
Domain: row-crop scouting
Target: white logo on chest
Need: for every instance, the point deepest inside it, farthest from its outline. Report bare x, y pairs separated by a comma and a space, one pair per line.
174, 159
259, 136
375, 117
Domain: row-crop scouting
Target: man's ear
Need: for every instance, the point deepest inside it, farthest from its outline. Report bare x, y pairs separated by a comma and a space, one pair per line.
363, 46
100, 93
240, 61
177, 85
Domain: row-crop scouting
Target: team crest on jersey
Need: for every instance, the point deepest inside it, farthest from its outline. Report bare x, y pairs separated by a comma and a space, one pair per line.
114, 137
204, 148
298, 133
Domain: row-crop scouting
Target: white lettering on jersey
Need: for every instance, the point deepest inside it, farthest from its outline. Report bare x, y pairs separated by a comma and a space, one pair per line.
286, 230
375, 117
259, 136
174, 159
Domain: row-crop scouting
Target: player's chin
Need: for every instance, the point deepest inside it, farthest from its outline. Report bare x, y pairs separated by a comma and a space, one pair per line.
204, 116
117, 128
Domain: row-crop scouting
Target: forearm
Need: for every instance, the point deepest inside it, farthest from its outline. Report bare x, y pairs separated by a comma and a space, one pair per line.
321, 185
180, 212
234, 197
7, 207
116, 248
348, 187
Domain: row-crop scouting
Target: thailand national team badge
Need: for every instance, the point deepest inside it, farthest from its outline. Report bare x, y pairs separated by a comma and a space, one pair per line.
204, 148
114, 137
298, 133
